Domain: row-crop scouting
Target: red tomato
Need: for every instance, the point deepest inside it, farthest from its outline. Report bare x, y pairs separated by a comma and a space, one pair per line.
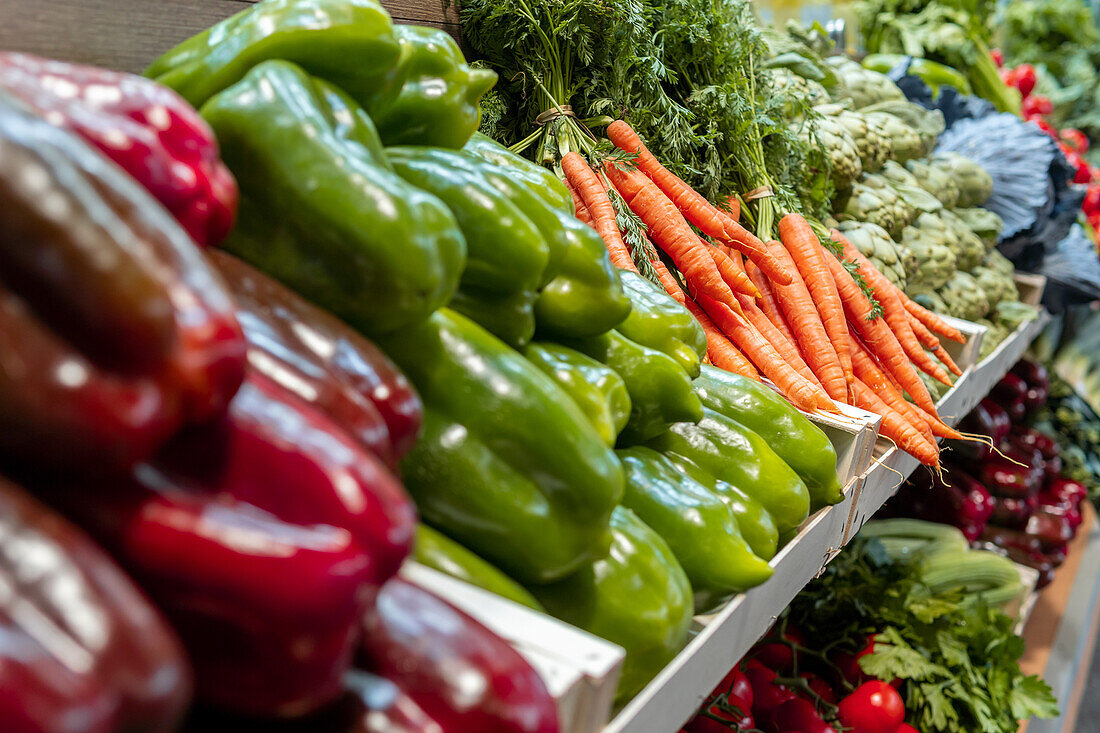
776, 653
1025, 81
1037, 105
766, 694
998, 57
735, 685
1091, 206
799, 714
906, 728
1043, 125
874, 707
848, 663
819, 687
719, 719
1080, 165
1075, 139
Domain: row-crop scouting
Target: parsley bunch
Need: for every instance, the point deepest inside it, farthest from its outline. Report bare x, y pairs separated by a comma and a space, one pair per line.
959, 658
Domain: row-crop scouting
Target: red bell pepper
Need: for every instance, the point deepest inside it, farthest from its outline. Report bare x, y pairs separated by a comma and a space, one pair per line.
82, 650
988, 419
1025, 80
455, 669
1013, 513
1004, 476
1051, 527
1066, 489
1091, 205
1031, 439
1076, 139
1036, 378
1011, 394
264, 538
323, 361
146, 128
956, 498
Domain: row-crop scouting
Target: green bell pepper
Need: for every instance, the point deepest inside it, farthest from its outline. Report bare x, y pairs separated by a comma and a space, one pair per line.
733, 453
659, 322
506, 255
320, 208
660, 391
596, 388
637, 597
541, 178
931, 73
350, 43
697, 524
507, 465
440, 552
801, 444
436, 102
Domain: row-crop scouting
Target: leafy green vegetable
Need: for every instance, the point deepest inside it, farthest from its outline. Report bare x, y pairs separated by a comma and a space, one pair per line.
958, 658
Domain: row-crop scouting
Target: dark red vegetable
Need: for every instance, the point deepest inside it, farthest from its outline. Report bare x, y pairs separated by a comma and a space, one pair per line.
146, 128
819, 687
799, 714
1066, 489
263, 537
1050, 527
767, 695
1009, 538
736, 686
954, 498
1011, 394
874, 707
1034, 440
1003, 476
1076, 139
1037, 105
81, 649
988, 419
455, 669
1013, 512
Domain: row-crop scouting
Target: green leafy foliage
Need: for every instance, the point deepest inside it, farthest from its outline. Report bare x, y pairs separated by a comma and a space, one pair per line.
958, 657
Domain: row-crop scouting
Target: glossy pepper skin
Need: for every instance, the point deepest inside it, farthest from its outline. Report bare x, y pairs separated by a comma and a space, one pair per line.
437, 97
83, 648
660, 391
596, 388
264, 539
456, 670
541, 179
112, 290
438, 551
507, 465
659, 322
700, 529
321, 209
735, 454
506, 255
146, 128
801, 444
323, 361
347, 42
637, 597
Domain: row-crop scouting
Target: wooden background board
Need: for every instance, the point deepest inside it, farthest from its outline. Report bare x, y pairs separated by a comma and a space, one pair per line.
128, 34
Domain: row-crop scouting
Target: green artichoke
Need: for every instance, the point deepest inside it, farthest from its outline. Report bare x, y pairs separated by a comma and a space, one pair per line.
994, 260
994, 335
931, 242
970, 250
935, 181
975, 185
936, 388
928, 123
877, 246
874, 149
862, 86
930, 300
841, 149
982, 222
963, 297
786, 82
906, 184
998, 286
873, 199
1011, 314
904, 140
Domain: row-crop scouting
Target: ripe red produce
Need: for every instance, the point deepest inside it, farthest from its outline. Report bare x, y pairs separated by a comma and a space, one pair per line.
1068, 509
1081, 167
1009, 538
1013, 512
988, 419
1057, 555
799, 714
874, 707
1034, 440
1035, 376
767, 695
1044, 126
1091, 205
1024, 80
1051, 528
776, 653
1005, 477
954, 498
906, 728
819, 687
848, 663
736, 686
716, 719
998, 57
1075, 139
1037, 105
1067, 490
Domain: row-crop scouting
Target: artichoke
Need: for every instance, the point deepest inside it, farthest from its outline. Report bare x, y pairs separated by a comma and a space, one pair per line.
862, 86
975, 185
877, 246
936, 388
963, 297
983, 222
931, 242
841, 149
994, 260
935, 181
970, 250
874, 148
1012, 314
786, 82
873, 199
928, 123
904, 140
905, 183
930, 300
998, 286
994, 335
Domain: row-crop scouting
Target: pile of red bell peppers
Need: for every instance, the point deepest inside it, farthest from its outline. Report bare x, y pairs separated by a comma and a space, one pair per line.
1003, 488
230, 446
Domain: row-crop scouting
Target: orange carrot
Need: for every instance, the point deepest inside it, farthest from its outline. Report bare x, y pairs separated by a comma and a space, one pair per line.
929, 340
735, 277
805, 322
579, 206
895, 427
734, 212
877, 336
767, 301
750, 245
721, 352
796, 388
592, 193
787, 350
808, 256
934, 323
691, 204
868, 372
897, 318
669, 231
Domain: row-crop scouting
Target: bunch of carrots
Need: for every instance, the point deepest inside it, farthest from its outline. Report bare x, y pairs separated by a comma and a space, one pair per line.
787, 309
